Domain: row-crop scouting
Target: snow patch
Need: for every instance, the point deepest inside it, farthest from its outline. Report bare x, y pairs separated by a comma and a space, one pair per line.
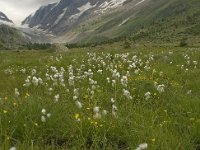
56, 4
139, 2
60, 16
85, 7
110, 5
123, 22
38, 27
2, 17
25, 25
82, 9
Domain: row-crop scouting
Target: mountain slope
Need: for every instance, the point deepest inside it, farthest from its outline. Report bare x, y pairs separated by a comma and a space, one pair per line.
99, 20
155, 19
61, 17
10, 38
4, 19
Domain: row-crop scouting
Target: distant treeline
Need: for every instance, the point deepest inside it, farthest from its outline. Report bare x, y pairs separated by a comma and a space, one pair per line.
39, 46
94, 44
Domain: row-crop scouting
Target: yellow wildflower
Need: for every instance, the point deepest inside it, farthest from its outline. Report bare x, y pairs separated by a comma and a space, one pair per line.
76, 116
27, 94
153, 140
5, 111
14, 104
85, 97
192, 119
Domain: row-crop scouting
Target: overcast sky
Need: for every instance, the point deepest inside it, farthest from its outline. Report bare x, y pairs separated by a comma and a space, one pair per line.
18, 10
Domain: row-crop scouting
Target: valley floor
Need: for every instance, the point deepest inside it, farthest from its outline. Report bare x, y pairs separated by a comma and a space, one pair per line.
100, 98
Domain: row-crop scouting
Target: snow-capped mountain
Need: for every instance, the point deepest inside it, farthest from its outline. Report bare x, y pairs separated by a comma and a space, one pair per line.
4, 19
100, 20
60, 17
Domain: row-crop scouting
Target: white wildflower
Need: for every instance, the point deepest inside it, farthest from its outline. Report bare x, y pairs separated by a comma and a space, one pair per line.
92, 92
114, 110
56, 97
71, 81
96, 109
48, 115
115, 74
112, 100
43, 119
155, 84
161, 88
124, 81
76, 92
50, 90
108, 80
17, 92
195, 62
27, 82
104, 112
97, 116
161, 73
75, 97
13, 148
189, 92
147, 68
90, 73
35, 81
100, 71
147, 95
40, 81
78, 104
23, 70
34, 71
113, 83
94, 87
53, 69
67, 90
127, 94
142, 146
43, 111
136, 71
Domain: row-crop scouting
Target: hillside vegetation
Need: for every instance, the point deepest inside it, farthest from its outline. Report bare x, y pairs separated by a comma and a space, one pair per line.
10, 38
156, 21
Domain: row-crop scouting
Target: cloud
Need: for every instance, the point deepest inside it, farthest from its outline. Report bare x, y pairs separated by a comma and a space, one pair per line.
17, 11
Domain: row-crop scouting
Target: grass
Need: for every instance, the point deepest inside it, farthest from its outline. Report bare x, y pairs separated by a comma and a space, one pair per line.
167, 120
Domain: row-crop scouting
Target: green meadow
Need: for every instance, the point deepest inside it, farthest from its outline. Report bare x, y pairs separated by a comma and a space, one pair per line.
101, 98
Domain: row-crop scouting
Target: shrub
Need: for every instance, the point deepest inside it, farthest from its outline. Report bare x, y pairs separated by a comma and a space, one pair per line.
183, 42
